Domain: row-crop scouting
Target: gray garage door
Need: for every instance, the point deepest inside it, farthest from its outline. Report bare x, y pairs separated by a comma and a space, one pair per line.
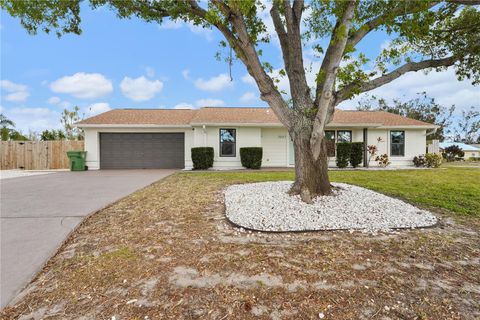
142, 150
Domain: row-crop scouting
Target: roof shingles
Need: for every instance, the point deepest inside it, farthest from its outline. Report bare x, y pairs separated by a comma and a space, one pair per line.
217, 115
142, 116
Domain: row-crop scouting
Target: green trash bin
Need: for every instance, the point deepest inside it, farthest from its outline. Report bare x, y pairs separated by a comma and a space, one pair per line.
77, 160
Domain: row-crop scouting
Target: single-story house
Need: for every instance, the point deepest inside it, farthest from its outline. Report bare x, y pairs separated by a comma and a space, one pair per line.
163, 138
470, 151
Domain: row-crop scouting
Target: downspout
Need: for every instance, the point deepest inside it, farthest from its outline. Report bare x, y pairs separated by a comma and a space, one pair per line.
365, 148
204, 129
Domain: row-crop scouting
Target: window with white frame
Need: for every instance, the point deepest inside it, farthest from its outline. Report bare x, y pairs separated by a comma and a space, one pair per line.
397, 143
228, 142
344, 136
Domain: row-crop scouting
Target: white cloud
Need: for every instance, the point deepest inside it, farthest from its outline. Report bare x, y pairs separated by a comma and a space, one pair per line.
170, 24
10, 86
443, 86
64, 104
217, 83
140, 89
199, 30
15, 92
83, 85
20, 96
209, 103
248, 97
183, 105
97, 108
186, 74
385, 44
150, 72
36, 119
248, 79
56, 101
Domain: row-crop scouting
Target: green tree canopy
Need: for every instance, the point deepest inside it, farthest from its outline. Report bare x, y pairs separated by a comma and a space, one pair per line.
421, 108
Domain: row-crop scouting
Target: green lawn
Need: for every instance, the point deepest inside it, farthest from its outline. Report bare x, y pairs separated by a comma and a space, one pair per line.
454, 189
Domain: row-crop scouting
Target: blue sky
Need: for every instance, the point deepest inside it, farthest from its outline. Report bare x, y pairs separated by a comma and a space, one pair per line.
131, 64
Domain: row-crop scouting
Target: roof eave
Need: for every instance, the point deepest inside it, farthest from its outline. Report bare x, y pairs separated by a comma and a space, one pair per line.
237, 124
119, 125
353, 125
430, 126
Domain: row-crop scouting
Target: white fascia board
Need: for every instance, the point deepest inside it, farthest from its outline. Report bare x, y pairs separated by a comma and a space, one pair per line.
236, 124
353, 125
378, 126
411, 127
148, 126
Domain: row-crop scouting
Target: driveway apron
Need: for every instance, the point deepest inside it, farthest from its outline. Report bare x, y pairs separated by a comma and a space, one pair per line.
38, 212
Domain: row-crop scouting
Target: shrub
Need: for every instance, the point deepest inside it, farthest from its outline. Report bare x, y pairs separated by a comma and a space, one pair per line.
419, 161
372, 152
202, 158
474, 159
344, 149
453, 152
356, 155
251, 157
383, 160
433, 160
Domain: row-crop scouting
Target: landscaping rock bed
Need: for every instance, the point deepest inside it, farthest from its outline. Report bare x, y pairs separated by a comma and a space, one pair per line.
267, 206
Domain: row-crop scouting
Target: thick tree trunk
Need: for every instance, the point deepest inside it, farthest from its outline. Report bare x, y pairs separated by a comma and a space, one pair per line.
311, 176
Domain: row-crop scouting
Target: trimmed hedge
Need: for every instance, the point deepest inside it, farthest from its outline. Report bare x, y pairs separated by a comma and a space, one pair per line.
344, 149
251, 157
202, 158
356, 155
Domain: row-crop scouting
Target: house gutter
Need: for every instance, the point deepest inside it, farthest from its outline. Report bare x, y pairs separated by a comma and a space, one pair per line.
89, 125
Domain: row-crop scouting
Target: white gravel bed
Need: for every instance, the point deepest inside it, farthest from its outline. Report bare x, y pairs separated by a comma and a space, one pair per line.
9, 174
267, 206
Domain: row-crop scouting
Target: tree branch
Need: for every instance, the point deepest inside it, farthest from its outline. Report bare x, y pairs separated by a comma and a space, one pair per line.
291, 45
352, 89
246, 51
369, 26
328, 74
282, 34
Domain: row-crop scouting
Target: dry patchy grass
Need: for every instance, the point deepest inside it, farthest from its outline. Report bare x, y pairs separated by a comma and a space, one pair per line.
166, 252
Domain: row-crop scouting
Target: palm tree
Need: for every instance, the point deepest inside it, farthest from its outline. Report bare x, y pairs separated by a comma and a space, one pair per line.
4, 124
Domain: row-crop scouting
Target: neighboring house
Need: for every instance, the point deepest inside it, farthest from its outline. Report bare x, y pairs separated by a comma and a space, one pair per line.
163, 138
476, 145
470, 150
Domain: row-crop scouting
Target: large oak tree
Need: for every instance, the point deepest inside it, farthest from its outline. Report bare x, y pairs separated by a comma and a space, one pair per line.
425, 35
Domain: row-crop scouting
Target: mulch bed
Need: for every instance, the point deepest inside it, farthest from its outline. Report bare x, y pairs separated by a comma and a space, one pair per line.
167, 252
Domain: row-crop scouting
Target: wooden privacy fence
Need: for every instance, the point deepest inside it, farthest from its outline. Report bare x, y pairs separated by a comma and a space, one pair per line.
37, 155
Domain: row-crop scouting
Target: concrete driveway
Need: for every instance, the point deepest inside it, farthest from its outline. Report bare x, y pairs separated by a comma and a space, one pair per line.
38, 212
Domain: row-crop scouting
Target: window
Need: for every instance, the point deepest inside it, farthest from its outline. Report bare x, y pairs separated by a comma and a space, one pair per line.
330, 141
228, 145
344, 136
397, 143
